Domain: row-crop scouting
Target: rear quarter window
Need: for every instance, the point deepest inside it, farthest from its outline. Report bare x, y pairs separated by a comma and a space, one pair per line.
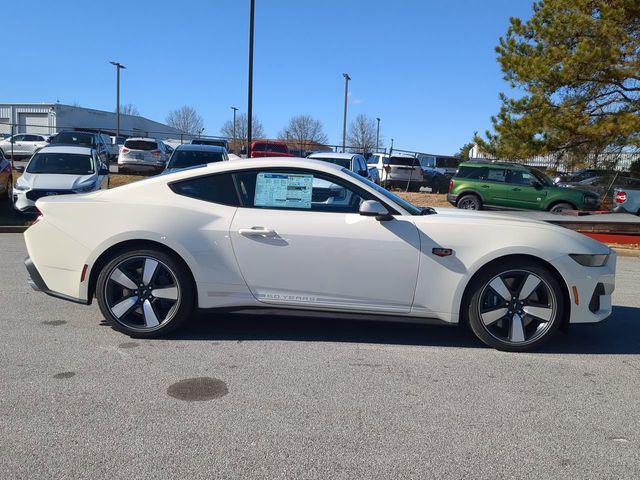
213, 188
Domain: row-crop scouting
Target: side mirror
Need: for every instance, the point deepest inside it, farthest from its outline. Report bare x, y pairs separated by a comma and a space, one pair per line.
537, 185
103, 170
371, 208
19, 168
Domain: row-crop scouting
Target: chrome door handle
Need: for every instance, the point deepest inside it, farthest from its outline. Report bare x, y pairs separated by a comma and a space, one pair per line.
484, 186
257, 232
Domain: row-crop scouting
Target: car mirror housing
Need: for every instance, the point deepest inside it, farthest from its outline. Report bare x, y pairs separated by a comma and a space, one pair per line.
19, 168
537, 185
372, 208
103, 170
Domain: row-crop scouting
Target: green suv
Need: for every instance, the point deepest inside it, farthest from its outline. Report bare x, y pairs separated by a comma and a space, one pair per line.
478, 185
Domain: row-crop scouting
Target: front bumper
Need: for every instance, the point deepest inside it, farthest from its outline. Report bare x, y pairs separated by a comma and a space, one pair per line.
36, 282
590, 289
21, 202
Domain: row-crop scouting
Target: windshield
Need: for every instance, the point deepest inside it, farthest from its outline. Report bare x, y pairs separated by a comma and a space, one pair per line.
62, 163
185, 158
409, 207
270, 147
146, 145
542, 178
74, 138
343, 162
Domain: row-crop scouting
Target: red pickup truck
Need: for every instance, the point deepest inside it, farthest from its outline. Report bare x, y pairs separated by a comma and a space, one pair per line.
269, 148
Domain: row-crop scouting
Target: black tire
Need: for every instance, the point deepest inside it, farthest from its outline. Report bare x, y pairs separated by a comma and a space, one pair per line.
501, 334
469, 201
177, 313
561, 207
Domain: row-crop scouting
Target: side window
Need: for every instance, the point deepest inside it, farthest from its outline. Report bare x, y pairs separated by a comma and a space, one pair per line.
298, 190
18, 138
473, 173
521, 178
497, 175
212, 188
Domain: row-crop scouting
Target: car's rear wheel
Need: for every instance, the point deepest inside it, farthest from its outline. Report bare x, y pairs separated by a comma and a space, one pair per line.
145, 293
515, 305
469, 202
561, 207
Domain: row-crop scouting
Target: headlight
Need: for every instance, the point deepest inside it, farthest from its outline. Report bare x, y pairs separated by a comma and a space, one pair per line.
590, 260
85, 188
20, 188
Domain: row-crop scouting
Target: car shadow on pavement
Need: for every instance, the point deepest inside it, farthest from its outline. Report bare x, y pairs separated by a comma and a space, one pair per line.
243, 326
620, 334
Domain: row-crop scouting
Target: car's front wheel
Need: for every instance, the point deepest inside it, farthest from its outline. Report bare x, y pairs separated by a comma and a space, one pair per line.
515, 305
145, 293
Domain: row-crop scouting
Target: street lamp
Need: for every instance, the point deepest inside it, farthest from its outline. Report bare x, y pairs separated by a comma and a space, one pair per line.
377, 133
118, 67
344, 119
235, 109
252, 5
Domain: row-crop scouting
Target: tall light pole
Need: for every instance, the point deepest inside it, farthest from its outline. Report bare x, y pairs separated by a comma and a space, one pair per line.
344, 119
252, 5
118, 67
377, 133
233, 140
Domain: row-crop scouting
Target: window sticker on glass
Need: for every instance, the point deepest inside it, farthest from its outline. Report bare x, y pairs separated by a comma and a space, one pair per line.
283, 190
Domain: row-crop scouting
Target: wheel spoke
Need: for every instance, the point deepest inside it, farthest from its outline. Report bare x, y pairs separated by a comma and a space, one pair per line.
170, 293
500, 288
121, 278
122, 307
493, 316
543, 313
150, 318
516, 333
150, 266
530, 284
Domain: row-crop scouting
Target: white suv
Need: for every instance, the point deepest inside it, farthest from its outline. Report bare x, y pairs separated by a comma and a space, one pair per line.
143, 154
24, 144
58, 171
398, 171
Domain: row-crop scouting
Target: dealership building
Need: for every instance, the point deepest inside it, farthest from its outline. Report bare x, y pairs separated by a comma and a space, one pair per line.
51, 118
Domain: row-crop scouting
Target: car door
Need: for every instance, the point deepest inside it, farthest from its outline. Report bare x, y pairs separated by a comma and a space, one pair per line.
495, 189
299, 241
523, 192
18, 146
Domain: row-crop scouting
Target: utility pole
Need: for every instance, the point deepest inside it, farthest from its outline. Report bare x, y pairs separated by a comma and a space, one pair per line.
118, 67
235, 109
344, 119
378, 133
252, 5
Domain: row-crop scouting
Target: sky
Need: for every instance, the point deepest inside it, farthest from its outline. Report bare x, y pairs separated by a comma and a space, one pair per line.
427, 68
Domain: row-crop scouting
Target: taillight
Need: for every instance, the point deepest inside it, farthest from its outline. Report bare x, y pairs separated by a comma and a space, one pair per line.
450, 185
155, 153
621, 197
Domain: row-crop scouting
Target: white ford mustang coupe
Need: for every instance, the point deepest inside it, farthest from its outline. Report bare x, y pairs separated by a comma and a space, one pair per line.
301, 234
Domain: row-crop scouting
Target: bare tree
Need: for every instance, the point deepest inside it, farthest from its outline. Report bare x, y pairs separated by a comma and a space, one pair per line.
303, 131
257, 130
362, 134
185, 119
129, 109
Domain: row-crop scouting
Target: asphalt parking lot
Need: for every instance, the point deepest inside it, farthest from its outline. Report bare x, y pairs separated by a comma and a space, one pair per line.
287, 397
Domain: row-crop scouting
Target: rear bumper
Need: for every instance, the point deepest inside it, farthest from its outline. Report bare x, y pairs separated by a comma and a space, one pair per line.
452, 199
38, 284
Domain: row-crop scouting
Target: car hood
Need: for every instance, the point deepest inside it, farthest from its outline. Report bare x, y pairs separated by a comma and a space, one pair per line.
53, 181
470, 225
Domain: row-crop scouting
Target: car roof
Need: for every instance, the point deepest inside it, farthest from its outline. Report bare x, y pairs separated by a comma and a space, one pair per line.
194, 147
347, 156
261, 163
74, 132
66, 149
146, 139
494, 164
277, 142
